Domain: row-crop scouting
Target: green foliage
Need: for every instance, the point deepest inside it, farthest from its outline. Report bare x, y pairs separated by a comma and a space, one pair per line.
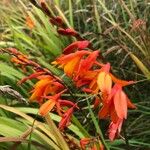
109, 26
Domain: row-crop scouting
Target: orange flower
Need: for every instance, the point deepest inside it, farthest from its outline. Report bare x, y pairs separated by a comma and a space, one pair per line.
55, 102
104, 80
29, 22
71, 62
46, 85
84, 142
86, 64
116, 104
89, 80
20, 59
50, 103
90, 143
47, 106
17, 61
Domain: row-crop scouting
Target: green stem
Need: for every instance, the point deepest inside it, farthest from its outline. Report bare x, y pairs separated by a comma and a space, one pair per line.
55, 131
71, 13
81, 128
97, 126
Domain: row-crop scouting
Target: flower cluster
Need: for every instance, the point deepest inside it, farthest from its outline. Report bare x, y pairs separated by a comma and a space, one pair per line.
82, 65
47, 91
88, 73
94, 77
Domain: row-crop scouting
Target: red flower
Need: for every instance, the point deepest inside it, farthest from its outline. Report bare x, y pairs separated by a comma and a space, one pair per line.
78, 45
137, 24
114, 129
68, 32
21, 59
14, 51
97, 102
34, 75
65, 121
86, 64
46, 85
56, 21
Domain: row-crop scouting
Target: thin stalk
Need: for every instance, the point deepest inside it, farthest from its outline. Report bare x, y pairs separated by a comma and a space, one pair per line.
128, 35
106, 10
30, 137
127, 10
55, 131
132, 39
97, 126
80, 127
71, 13
57, 2
132, 5
124, 17
97, 17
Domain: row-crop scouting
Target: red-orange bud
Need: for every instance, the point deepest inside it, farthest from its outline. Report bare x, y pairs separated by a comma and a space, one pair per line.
67, 32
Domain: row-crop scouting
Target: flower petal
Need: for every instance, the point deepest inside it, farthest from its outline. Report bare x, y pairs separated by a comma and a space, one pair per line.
120, 103
130, 104
104, 112
66, 118
67, 31
56, 21
104, 82
69, 68
113, 114
34, 75
29, 22
76, 45
46, 107
66, 103
119, 81
87, 63
114, 129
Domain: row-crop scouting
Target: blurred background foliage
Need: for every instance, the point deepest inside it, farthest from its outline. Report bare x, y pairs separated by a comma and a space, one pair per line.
119, 29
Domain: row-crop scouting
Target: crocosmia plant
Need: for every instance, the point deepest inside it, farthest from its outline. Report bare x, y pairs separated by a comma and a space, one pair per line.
94, 87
